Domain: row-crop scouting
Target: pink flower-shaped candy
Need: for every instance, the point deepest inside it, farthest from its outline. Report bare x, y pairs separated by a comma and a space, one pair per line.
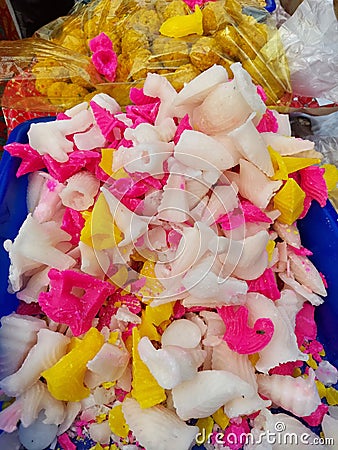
74, 298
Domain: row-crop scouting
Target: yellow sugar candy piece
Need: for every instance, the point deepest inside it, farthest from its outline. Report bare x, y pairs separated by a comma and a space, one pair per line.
152, 317
296, 372
180, 26
145, 388
205, 426
106, 162
312, 363
86, 232
65, 378
113, 337
117, 422
152, 287
289, 200
320, 388
100, 231
279, 166
270, 248
221, 418
101, 418
331, 396
293, 164
105, 233
330, 176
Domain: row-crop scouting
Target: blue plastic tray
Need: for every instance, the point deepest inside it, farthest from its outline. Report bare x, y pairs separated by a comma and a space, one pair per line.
318, 230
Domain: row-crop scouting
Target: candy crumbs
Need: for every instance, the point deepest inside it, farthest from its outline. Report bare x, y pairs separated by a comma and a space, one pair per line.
169, 291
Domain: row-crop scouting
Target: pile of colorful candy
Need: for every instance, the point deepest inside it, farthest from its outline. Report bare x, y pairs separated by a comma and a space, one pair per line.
165, 294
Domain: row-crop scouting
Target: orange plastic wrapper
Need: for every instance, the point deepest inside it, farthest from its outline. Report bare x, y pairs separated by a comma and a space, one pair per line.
159, 36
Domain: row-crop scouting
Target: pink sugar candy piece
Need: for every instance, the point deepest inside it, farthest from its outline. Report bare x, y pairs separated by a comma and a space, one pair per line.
111, 127
78, 160
72, 223
120, 394
179, 310
193, 3
261, 93
231, 221
265, 284
143, 112
99, 42
138, 97
313, 184
252, 213
184, 124
234, 435
129, 300
286, 368
315, 418
268, 122
105, 314
65, 442
105, 62
239, 336
28, 309
31, 160
62, 305
314, 348
306, 327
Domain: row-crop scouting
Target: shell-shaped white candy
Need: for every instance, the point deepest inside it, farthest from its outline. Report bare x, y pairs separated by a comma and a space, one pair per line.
145, 157
327, 373
286, 145
174, 206
246, 259
182, 333
147, 133
72, 409
223, 110
330, 429
297, 395
307, 274
109, 363
50, 137
300, 290
157, 86
80, 191
36, 399
223, 200
225, 359
283, 346
37, 283
50, 347
18, 334
196, 90
10, 416
252, 146
254, 185
194, 150
202, 282
94, 262
158, 428
25, 255
100, 432
170, 365
93, 138
289, 433
288, 233
131, 225
206, 392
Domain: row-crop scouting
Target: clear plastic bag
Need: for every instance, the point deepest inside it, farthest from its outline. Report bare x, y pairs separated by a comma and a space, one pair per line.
310, 38
57, 60
134, 27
